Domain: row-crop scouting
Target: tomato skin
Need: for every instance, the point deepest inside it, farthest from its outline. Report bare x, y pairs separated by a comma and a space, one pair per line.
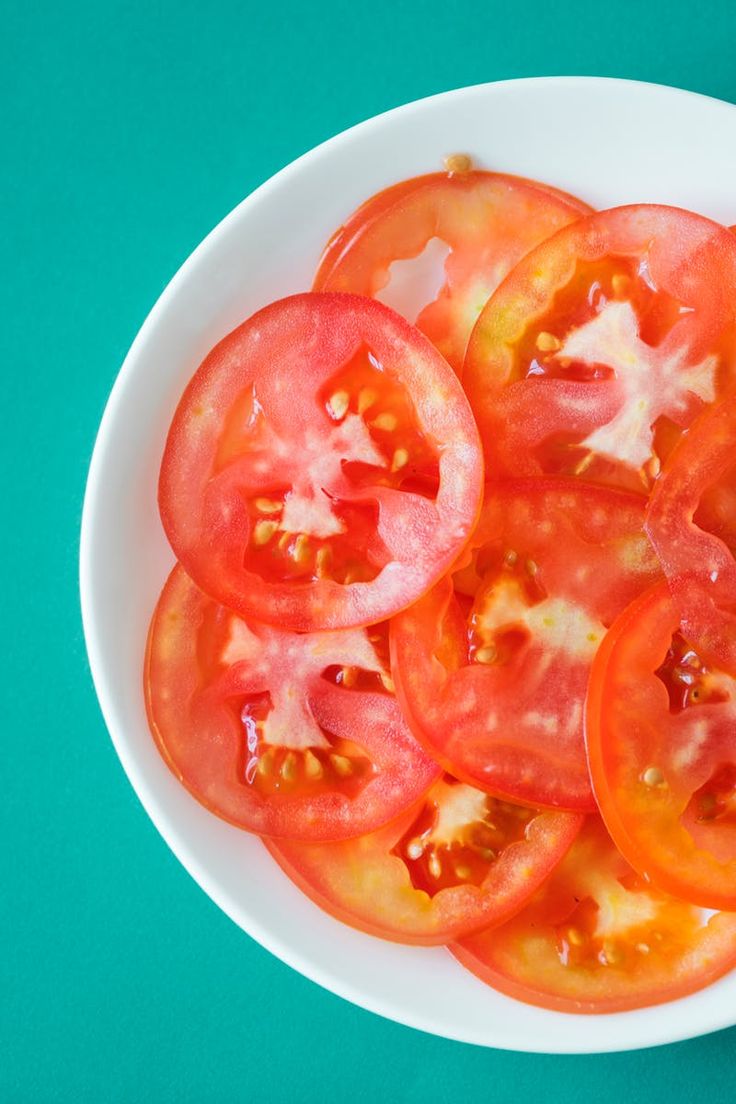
488, 220
204, 665
533, 958
217, 462
365, 884
513, 724
551, 407
650, 759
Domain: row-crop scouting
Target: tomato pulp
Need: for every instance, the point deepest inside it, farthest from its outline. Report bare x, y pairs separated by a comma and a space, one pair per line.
288, 734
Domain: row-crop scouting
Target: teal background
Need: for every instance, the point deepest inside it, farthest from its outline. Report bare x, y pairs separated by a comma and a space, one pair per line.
132, 128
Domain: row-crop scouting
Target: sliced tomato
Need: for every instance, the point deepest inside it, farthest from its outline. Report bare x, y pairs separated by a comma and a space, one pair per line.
285, 734
603, 344
598, 938
437, 246
661, 738
691, 520
460, 861
323, 467
492, 666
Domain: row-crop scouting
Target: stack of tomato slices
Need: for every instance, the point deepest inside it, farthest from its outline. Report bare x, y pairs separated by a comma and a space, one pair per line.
453, 624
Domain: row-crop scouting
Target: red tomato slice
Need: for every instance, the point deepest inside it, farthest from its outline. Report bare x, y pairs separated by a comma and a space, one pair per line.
691, 519
603, 344
460, 861
661, 738
597, 938
285, 734
437, 246
323, 467
492, 674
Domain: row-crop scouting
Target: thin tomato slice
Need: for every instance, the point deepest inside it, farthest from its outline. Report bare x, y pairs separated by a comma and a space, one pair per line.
492, 665
661, 738
459, 861
691, 520
437, 246
323, 467
603, 344
598, 938
284, 734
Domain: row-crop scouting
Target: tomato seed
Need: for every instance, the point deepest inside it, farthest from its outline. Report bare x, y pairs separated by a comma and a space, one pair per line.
400, 459
366, 399
652, 776
488, 654
338, 404
342, 765
288, 767
457, 163
300, 551
263, 531
547, 342
385, 421
312, 766
268, 505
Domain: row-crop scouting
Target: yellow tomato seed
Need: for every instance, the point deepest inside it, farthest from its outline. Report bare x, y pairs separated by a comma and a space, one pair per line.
547, 342
288, 767
301, 550
621, 285
385, 421
312, 766
268, 505
652, 776
366, 399
401, 458
342, 765
486, 655
338, 404
263, 531
457, 163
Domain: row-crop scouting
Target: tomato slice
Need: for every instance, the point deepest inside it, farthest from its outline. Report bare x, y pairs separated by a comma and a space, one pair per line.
598, 938
661, 738
460, 861
285, 734
492, 666
603, 344
437, 246
691, 520
323, 468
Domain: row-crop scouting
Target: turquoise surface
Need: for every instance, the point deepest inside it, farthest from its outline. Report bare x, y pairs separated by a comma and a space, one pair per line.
128, 130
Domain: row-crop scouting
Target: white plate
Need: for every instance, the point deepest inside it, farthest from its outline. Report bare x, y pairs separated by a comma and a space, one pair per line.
608, 141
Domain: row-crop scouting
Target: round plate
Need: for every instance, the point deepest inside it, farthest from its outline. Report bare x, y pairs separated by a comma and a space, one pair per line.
608, 141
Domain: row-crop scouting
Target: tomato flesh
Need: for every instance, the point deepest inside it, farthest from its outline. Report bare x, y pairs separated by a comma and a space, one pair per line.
492, 666
603, 345
468, 228
458, 861
322, 468
661, 738
280, 733
597, 938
